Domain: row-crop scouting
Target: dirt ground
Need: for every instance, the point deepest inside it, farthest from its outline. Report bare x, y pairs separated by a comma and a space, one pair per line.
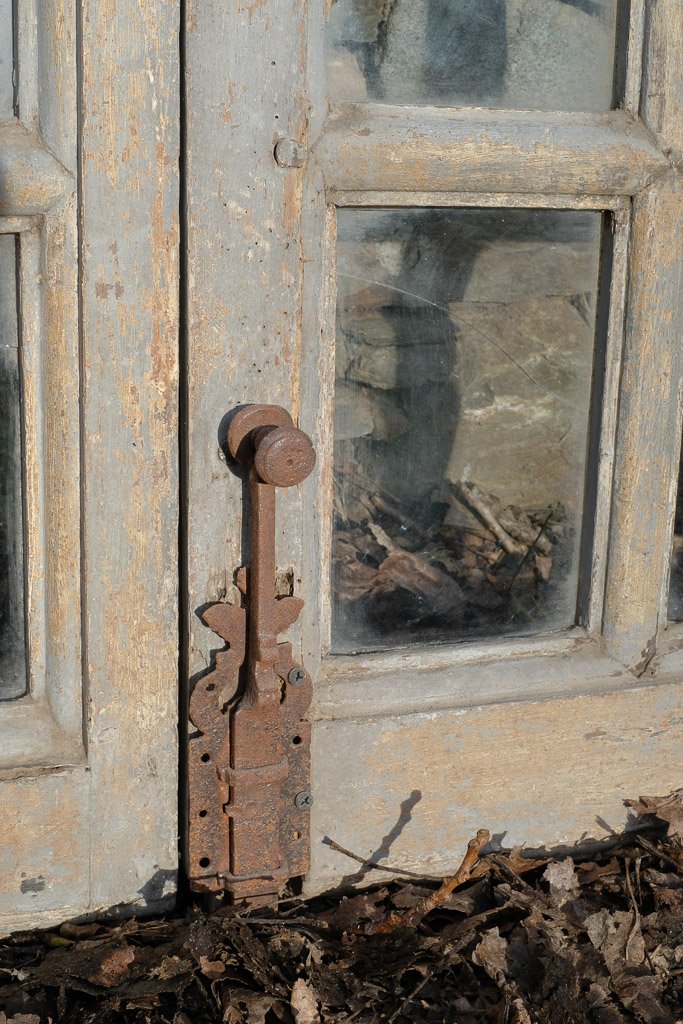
591, 935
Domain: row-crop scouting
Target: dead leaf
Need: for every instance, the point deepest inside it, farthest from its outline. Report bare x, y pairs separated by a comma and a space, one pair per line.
561, 877
601, 1007
666, 808
304, 1003
640, 991
415, 574
491, 954
590, 872
541, 962
171, 967
346, 917
212, 969
618, 937
55, 941
112, 968
254, 1005
520, 1014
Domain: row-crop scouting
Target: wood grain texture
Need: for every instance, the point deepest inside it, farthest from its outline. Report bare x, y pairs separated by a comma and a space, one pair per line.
43, 803
523, 200
32, 180
648, 436
647, 443
6, 61
537, 741
602, 505
43, 864
496, 673
105, 834
413, 789
661, 101
129, 287
245, 91
401, 149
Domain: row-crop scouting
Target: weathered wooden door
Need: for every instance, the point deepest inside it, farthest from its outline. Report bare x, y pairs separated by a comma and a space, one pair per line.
444, 236
88, 449
489, 192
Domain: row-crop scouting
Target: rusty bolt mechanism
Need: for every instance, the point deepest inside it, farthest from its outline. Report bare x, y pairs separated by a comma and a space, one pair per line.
250, 765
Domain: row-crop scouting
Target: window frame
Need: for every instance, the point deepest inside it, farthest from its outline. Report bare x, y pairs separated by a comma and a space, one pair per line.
369, 155
39, 205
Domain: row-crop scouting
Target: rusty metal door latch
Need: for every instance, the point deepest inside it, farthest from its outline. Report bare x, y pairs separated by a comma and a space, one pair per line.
249, 769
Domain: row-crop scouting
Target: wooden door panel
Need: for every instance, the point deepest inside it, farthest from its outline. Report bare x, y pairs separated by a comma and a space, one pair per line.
473, 728
88, 784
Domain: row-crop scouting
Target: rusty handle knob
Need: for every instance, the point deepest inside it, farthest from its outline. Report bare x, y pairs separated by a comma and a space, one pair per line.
283, 456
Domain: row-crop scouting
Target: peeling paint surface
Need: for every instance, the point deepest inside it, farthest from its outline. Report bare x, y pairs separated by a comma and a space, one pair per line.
260, 283
92, 835
245, 266
533, 773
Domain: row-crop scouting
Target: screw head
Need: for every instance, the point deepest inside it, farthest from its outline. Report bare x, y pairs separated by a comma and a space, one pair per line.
303, 801
296, 676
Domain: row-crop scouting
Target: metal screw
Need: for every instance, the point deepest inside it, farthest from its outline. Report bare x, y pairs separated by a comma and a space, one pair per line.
290, 153
303, 801
296, 676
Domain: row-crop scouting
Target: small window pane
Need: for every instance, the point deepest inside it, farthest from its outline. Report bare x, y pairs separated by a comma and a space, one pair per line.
6, 60
676, 581
12, 635
464, 357
528, 54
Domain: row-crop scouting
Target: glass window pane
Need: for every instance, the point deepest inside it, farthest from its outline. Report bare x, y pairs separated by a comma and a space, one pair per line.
527, 54
676, 580
6, 60
12, 635
464, 358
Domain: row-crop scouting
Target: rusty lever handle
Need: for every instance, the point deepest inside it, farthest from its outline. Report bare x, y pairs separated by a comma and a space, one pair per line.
278, 455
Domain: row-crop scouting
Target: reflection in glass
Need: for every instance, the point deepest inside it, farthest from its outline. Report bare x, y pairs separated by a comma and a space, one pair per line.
463, 361
12, 638
528, 54
676, 580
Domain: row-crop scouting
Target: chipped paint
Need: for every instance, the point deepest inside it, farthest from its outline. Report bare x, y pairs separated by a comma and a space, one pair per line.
535, 772
382, 149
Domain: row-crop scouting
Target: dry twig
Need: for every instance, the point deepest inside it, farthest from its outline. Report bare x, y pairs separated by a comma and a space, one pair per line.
413, 916
475, 499
373, 864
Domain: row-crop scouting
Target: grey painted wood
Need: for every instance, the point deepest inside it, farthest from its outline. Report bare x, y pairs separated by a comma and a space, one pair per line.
103, 826
661, 100
130, 461
261, 328
405, 149
6, 60
648, 438
32, 179
246, 90
412, 789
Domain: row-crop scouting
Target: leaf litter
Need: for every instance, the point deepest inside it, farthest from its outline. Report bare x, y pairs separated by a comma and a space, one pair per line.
591, 935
